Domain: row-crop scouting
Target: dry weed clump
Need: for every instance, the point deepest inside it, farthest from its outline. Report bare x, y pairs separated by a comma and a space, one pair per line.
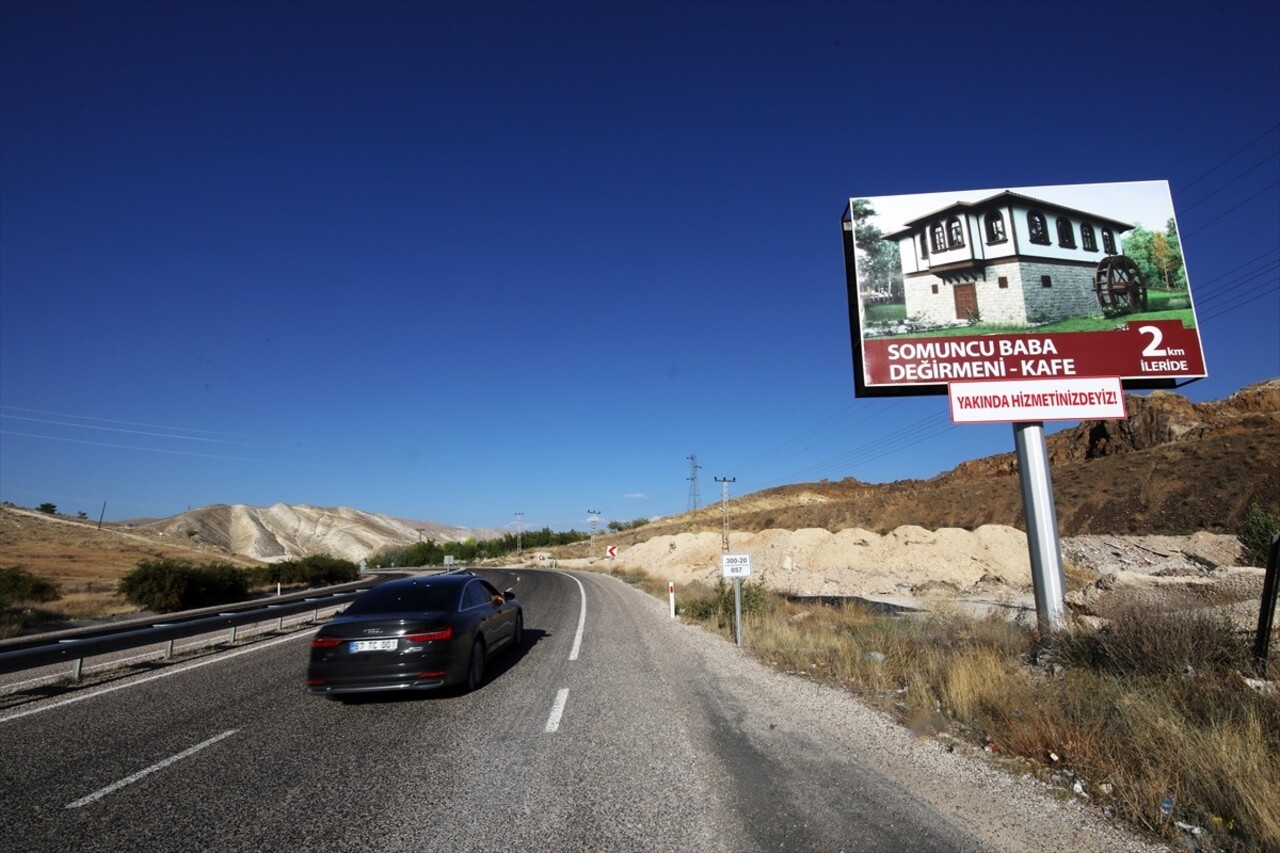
1148, 717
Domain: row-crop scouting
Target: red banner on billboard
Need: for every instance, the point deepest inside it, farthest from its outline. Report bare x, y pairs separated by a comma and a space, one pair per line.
1139, 350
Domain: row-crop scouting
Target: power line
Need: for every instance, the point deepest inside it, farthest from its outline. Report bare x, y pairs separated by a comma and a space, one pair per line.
1229, 158
1232, 209
1273, 155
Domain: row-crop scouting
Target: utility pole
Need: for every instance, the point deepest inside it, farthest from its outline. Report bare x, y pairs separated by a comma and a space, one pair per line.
595, 519
724, 507
693, 481
519, 533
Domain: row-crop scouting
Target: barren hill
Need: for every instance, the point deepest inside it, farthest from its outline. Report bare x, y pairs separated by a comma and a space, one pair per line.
283, 531
80, 555
1172, 467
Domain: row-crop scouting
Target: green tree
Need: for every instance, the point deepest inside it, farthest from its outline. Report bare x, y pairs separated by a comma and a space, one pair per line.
1168, 254
47, 508
880, 265
1158, 256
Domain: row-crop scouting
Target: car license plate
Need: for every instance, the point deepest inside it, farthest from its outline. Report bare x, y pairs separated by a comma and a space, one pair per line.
374, 645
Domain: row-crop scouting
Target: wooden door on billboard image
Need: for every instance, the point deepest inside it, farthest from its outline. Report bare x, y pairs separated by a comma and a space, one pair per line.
966, 300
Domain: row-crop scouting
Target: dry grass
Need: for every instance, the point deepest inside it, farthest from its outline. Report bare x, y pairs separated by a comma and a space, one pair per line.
1152, 706
91, 603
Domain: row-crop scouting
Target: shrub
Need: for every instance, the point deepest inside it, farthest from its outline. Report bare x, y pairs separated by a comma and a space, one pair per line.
621, 526
315, 570
167, 584
1146, 641
717, 603
17, 585
1257, 529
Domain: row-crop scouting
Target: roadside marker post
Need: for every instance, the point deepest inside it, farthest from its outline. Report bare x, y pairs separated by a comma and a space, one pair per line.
736, 566
671, 596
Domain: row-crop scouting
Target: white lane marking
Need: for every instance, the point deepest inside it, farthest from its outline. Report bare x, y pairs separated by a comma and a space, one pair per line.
557, 708
306, 635
582, 619
129, 780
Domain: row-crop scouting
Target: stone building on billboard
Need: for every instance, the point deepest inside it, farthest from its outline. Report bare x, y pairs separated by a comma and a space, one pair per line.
1008, 259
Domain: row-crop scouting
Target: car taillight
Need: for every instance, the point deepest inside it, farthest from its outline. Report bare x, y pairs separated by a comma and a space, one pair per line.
325, 642
427, 636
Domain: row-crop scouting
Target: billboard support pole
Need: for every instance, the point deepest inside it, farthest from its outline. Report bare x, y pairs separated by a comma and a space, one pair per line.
1042, 526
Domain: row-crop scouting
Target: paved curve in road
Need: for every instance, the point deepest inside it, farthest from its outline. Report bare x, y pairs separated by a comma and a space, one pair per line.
613, 728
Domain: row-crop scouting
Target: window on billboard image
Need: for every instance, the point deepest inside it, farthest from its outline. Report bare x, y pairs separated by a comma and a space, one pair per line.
955, 234
1038, 228
939, 238
1108, 242
995, 227
1086, 237
1066, 234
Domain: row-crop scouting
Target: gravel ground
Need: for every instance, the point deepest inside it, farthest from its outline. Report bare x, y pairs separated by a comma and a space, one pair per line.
1009, 811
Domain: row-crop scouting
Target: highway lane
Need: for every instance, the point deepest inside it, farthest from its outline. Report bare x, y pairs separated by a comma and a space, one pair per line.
443, 772
647, 739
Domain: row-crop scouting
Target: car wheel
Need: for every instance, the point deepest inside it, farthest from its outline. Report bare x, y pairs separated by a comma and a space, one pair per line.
475, 669
518, 637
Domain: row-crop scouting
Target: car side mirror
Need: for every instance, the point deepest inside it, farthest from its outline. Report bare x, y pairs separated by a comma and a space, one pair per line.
508, 594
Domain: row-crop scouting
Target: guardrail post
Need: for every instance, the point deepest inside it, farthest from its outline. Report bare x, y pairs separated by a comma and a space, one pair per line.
280, 624
233, 635
168, 650
75, 670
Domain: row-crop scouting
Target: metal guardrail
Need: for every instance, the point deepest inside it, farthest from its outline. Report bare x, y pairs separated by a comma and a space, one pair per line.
75, 646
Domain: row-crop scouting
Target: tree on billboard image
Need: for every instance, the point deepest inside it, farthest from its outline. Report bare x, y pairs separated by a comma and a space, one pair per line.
1159, 256
880, 269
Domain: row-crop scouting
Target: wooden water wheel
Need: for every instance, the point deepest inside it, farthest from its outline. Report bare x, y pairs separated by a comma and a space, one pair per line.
1118, 284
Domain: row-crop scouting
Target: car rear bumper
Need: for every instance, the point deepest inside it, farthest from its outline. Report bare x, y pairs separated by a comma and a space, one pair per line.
338, 689
374, 672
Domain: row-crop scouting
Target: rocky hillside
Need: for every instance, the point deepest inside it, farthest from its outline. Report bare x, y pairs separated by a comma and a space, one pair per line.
283, 531
1172, 467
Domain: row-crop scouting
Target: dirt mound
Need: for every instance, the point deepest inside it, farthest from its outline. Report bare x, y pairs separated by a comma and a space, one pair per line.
916, 567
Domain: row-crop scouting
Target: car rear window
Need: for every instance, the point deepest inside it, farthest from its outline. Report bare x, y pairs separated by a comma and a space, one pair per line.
398, 598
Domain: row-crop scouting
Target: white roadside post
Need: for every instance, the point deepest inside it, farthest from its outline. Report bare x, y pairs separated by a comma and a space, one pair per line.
736, 566
671, 597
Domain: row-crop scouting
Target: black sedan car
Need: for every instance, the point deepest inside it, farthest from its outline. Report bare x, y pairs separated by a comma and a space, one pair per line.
414, 633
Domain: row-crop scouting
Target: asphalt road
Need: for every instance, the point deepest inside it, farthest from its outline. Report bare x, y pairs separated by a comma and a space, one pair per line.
608, 730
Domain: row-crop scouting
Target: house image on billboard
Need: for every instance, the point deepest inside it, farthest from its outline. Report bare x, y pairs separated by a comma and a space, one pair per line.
1008, 259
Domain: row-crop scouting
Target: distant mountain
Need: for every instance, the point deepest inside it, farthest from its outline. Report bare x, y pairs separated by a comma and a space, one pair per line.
284, 531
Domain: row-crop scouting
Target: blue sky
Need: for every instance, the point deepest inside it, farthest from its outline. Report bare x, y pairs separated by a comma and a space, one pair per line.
458, 261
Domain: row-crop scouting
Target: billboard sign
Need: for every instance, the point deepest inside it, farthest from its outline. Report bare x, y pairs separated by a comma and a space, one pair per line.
1076, 281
